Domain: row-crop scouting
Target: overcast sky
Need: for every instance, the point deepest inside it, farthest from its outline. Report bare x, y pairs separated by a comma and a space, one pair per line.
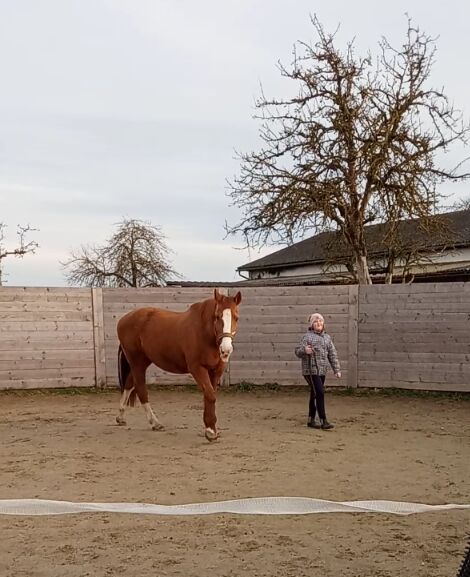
133, 108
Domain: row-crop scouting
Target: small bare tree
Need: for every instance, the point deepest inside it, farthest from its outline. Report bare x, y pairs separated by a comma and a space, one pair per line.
463, 204
23, 246
357, 145
135, 256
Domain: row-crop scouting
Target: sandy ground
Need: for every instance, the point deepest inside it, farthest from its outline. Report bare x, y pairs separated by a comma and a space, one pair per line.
68, 447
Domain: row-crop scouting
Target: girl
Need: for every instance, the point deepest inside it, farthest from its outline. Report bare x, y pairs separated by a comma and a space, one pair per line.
317, 351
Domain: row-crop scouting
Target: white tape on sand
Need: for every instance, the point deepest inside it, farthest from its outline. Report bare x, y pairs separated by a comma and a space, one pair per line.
254, 506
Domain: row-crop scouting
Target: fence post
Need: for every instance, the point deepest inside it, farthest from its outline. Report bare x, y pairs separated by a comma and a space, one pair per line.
353, 301
98, 337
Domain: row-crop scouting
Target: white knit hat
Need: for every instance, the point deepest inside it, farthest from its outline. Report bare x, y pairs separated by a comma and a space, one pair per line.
315, 317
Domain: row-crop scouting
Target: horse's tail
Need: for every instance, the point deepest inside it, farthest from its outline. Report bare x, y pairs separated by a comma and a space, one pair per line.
124, 370
465, 567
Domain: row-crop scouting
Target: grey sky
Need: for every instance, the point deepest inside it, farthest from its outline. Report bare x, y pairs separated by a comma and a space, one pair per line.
112, 108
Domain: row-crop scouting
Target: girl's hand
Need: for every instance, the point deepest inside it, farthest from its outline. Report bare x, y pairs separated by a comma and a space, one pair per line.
308, 350
338, 375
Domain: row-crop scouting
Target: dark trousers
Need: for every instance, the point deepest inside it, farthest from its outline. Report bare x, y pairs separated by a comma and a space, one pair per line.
317, 395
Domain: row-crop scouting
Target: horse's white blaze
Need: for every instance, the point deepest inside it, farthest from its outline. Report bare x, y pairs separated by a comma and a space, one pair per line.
226, 347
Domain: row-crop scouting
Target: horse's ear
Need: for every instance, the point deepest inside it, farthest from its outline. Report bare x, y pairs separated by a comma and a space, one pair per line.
216, 294
238, 298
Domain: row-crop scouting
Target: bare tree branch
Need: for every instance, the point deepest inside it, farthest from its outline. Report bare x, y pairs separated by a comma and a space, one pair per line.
463, 204
23, 247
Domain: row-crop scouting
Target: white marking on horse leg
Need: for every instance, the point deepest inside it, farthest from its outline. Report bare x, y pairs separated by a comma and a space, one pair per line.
120, 420
152, 418
226, 346
210, 434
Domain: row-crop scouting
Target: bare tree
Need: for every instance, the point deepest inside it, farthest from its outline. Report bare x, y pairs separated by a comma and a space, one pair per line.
23, 246
135, 256
356, 146
462, 204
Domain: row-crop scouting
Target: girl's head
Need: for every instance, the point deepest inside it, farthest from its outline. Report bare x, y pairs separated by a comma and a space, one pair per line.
316, 322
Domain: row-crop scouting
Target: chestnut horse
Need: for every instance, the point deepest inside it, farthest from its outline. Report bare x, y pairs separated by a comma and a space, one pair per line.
197, 341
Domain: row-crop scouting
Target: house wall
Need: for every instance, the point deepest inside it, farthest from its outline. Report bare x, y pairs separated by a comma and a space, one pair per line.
309, 270
408, 336
447, 260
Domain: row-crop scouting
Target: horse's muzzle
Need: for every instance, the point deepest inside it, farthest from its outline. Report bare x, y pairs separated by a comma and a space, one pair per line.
225, 349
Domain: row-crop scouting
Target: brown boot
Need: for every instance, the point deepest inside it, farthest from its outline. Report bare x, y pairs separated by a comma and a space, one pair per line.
325, 425
312, 424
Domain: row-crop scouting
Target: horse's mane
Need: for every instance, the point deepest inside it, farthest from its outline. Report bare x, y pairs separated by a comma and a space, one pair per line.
205, 310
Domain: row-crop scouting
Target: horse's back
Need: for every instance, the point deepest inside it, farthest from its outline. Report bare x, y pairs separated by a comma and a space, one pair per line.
135, 322
156, 333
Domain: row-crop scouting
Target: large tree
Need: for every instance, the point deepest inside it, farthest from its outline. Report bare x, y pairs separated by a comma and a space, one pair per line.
22, 248
359, 143
136, 255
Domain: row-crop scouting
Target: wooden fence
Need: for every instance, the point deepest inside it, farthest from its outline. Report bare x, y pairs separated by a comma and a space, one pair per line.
46, 338
408, 336
415, 336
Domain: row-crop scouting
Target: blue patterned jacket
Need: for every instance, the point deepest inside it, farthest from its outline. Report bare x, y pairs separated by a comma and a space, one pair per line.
324, 354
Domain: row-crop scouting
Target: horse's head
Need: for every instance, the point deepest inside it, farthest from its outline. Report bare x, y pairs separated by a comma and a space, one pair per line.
225, 322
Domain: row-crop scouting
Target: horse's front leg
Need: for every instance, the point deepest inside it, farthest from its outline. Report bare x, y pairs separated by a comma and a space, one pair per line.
215, 375
201, 375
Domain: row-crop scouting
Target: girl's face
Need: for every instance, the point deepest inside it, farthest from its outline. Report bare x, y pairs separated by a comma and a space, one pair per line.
318, 325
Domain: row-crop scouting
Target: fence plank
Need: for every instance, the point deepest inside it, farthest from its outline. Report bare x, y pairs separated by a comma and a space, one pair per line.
65, 355
98, 337
48, 383
47, 373
380, 383
353, 340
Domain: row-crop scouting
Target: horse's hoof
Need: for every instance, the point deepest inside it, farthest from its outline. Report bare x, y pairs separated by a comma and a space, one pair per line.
120, 421
211, 435
157, 427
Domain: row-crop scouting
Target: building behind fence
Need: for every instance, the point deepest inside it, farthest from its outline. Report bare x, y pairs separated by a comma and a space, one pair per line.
406, 336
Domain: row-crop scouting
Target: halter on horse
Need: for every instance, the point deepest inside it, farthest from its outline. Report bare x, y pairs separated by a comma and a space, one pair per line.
198, 341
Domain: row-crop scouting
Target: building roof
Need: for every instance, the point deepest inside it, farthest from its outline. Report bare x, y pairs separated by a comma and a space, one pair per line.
457, 275
319, 249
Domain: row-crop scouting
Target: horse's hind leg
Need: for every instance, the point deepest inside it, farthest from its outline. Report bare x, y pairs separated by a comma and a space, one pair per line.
126, 384
127, 392
142, 392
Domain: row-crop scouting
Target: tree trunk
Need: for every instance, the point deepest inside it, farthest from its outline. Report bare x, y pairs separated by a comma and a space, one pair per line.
390, 268
363, 276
